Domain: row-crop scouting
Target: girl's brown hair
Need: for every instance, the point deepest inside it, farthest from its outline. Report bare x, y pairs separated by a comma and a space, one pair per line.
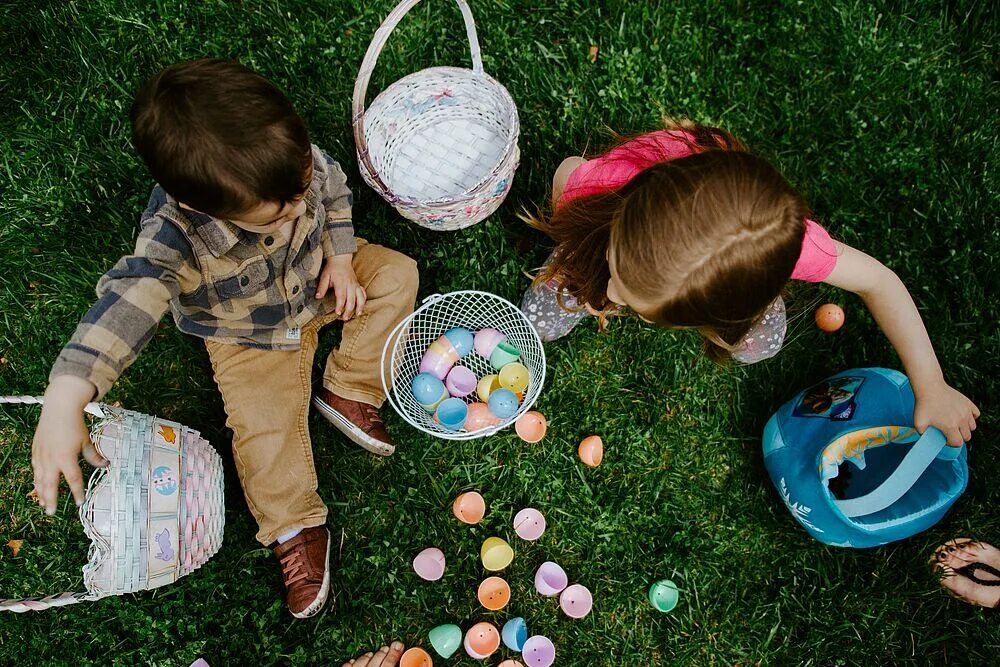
706, 241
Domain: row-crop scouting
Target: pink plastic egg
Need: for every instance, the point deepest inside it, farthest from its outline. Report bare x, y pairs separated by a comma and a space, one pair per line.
510, 663
487, 340
479, 417
439, 358
529, 524
429, 564
482, 640
576, 601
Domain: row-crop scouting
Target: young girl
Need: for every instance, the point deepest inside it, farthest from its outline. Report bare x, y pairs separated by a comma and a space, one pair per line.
689, 230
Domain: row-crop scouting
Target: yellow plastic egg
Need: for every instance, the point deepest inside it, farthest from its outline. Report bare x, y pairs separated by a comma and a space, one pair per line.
515, 377
487, 385
496, 554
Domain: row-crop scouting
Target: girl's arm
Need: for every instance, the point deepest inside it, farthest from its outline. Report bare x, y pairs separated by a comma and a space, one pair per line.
938, 404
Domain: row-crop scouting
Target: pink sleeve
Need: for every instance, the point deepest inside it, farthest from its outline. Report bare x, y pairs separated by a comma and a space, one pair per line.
818, 257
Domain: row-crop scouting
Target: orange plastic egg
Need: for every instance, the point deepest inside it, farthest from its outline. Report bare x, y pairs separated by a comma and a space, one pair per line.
591, 450
531, 426
482, 640
829, 317
416, 657
494, 593
469, 508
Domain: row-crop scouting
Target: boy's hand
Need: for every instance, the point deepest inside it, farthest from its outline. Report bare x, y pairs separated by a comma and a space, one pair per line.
946, 408
338, 272
59, 438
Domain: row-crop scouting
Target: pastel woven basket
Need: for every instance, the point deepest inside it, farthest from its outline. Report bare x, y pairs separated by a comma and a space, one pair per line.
153, 515
440, 144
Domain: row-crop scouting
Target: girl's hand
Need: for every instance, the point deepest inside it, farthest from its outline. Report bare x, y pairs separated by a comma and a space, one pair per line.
338, 272
946, 408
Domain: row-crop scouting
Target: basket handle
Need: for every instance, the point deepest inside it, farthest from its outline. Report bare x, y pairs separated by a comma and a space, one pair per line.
41, 604
368, 66
90, 408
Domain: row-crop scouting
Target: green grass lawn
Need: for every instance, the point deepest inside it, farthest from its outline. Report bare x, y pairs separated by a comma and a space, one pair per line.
884, 116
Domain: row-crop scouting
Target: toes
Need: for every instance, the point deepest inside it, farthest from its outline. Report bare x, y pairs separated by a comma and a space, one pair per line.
983, 553
363, 661
395, 653
379, 659
967, 590
952, 560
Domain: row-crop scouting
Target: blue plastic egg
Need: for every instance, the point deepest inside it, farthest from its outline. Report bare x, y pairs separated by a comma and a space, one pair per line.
452, 414
462, 339
514, 633
428, 391
503, 403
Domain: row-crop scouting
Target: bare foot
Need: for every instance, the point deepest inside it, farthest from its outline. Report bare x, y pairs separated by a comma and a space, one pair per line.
962, 552
387, 656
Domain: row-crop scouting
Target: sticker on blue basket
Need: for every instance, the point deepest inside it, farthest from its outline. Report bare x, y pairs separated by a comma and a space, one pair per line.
832, 399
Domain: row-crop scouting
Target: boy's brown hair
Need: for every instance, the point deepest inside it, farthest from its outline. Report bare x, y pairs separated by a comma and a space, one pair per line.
706, 241
220, 138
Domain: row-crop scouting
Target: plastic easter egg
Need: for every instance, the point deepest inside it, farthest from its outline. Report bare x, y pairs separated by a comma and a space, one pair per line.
416, 657
514, 634
439, 358
482, 640
496, 554
429, 564
504, 354
428, 391
531, 426
462, 339
829, 317
452, 413
503, 403
663, 595
539, 651
486, 340
446, 639
510, 663
529, 524
487, 385
494, 593
550, 579
460, 382
469, 508
591, 450
576, 601
479, 418
515, 377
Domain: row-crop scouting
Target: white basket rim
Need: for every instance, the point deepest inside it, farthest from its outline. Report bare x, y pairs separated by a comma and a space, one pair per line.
393, 341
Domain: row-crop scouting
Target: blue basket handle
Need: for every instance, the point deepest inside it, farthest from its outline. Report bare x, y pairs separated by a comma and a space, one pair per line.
931, 445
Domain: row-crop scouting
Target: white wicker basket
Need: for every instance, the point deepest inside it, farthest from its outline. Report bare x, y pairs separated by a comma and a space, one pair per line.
153, 515
473, 310
439, 144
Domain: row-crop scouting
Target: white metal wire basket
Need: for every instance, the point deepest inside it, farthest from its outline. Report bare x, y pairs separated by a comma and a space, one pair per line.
473, 310
439, 144
153, 515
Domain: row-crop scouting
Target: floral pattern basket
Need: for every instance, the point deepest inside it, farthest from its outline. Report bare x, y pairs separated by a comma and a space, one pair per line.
153, 515
439, 144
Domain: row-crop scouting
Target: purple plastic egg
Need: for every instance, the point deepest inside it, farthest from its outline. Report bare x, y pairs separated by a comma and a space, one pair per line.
461, 382
538, 651
550, 579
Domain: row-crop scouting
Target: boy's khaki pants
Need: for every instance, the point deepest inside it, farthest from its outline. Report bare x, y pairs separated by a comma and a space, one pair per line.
267, 394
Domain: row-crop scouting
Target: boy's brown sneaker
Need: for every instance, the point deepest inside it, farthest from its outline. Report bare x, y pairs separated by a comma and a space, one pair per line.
305, 568
358, 421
